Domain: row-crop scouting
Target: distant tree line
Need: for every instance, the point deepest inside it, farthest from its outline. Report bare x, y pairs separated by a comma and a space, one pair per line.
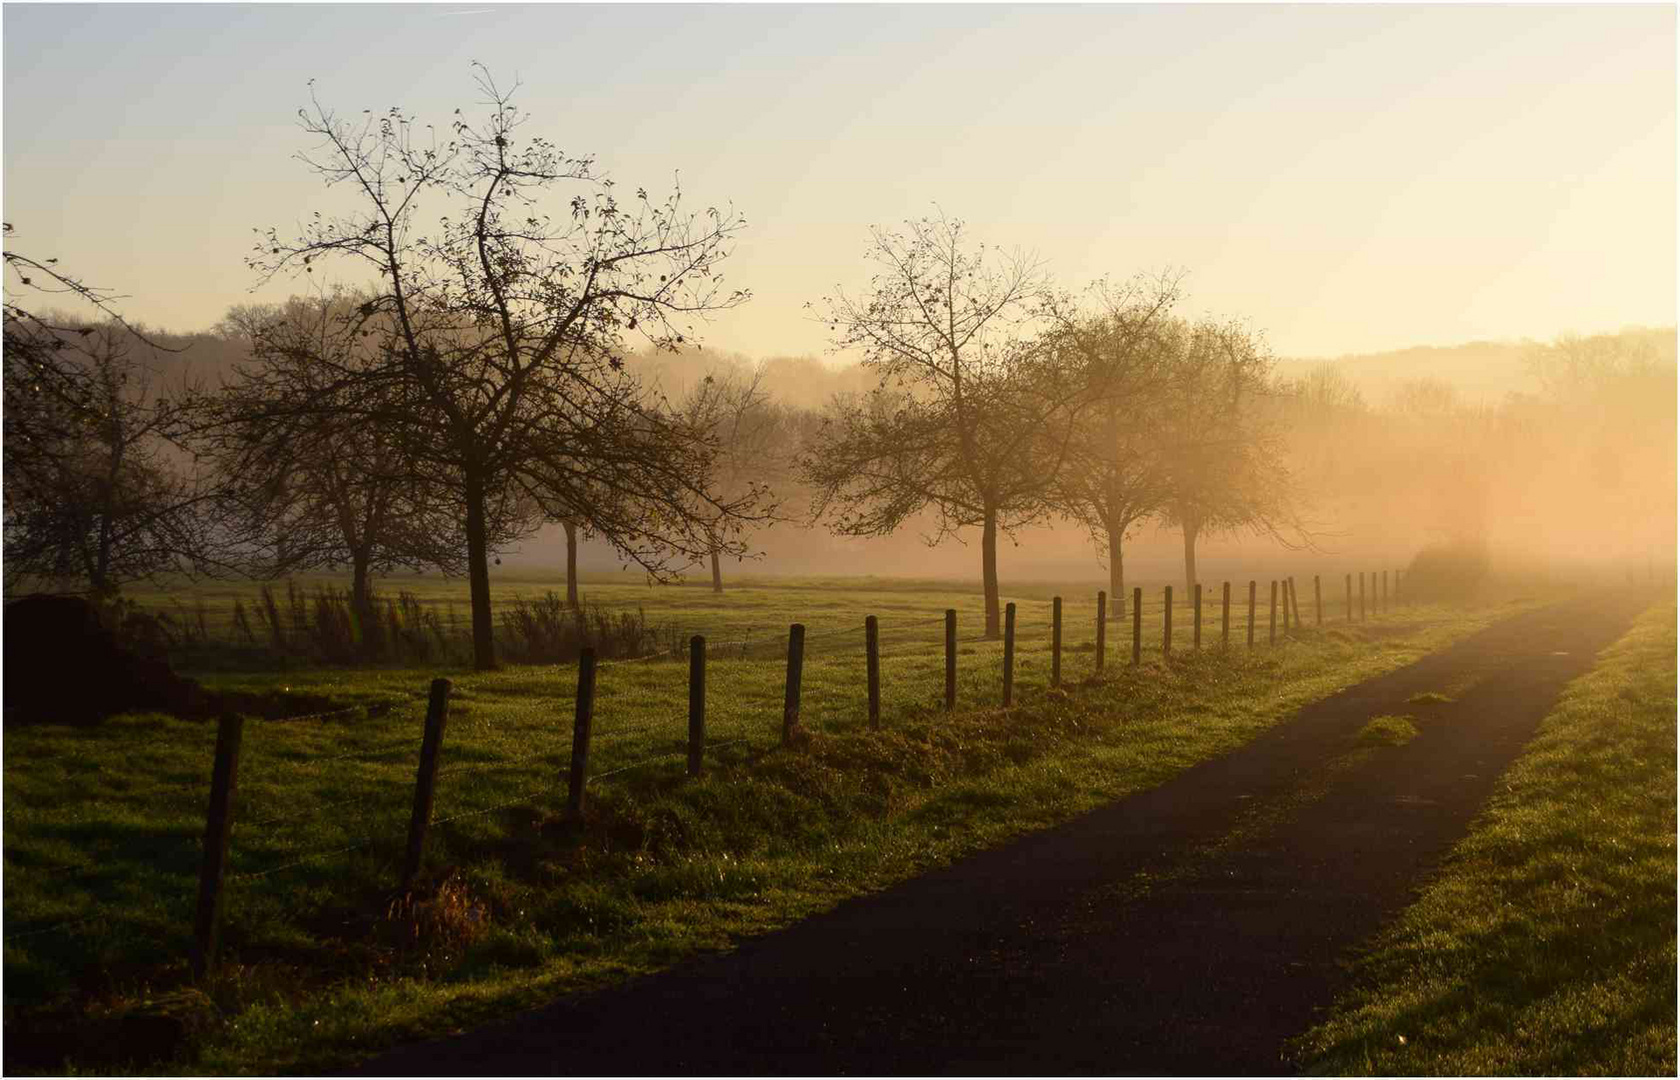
489, 377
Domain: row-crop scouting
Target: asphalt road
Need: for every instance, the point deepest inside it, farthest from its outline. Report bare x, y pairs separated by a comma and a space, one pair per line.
1048, 956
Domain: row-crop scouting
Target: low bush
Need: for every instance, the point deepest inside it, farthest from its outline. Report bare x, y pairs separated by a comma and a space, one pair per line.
1447, 572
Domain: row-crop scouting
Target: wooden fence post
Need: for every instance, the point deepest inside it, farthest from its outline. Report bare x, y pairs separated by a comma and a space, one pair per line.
582, 718
1295, 602
1318, 602
950, 659
1055, 641
1225, 615
425, 781
1251, 613
1361, 596
1166, 632
1349, 597
1196, 621
1284, 584
1137, 627
1008, 655
1385, 592
1271, 632
795, 673
1102, 628
872, 661
696, 704
218, 825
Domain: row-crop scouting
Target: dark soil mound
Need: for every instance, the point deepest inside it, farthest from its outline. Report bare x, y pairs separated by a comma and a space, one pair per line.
62, 665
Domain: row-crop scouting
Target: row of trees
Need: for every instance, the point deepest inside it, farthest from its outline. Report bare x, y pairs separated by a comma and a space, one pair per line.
1004, 402
477, 388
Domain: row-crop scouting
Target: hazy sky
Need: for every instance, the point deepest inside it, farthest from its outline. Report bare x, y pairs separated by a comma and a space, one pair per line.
1351, 178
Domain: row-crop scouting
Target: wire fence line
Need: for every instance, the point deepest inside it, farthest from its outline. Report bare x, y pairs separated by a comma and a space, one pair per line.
898, 639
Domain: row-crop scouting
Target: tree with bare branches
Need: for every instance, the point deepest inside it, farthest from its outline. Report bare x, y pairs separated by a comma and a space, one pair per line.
755, 438
959, 423
314, 486
499, 329
1114, 360
100, 483
100, 487
1223, 466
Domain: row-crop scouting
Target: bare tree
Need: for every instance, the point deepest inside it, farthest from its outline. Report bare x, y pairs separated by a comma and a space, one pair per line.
317, 487
962, 406
99, 485
754, 435
501, 327
1222, 459
1115, 361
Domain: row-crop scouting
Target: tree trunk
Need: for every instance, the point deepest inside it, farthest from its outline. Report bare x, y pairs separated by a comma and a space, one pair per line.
1116, 575
571, 563
717, 575
478, 576
361, 603
989, 575
1190, 532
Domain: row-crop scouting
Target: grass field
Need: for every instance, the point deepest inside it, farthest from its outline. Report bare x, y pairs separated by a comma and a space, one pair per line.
323, 962
1546, 944
757, 610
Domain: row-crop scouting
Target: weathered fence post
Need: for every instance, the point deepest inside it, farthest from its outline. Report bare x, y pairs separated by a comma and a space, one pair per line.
696, 704
582, 718
1196, 621
1137, 627
1385, 592
1102, 628
1361, 596
425, 781
950, 659
1271, 632
1055, 641
1284, 583
1349, 597
1318, 603
1166, 630
795, 673
1008, 655
1251, 613
872, 661
1295, 602
1225, 615
218, 825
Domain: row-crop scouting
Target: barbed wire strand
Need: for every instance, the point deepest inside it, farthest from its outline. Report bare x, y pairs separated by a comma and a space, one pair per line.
633, 765
527, 797
363, 799
71, 925
308, 857
481, 766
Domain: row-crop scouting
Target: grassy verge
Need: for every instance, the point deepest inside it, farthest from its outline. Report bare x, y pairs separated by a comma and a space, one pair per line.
323, 962
1546, 944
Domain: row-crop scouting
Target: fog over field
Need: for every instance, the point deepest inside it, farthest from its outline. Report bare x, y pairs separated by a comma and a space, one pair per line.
1153, 310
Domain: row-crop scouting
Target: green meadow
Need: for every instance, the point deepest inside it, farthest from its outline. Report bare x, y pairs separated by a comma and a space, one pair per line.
323, 961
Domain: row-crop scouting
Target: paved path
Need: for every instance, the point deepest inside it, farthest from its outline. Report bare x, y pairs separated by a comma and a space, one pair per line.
1047, 956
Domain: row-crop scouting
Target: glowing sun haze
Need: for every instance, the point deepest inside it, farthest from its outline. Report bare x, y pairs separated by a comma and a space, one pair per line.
1350, 178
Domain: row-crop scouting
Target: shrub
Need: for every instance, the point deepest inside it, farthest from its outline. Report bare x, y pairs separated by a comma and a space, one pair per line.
1447, 572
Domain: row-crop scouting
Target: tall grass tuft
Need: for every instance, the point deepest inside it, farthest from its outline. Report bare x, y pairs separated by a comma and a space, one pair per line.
547, 631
